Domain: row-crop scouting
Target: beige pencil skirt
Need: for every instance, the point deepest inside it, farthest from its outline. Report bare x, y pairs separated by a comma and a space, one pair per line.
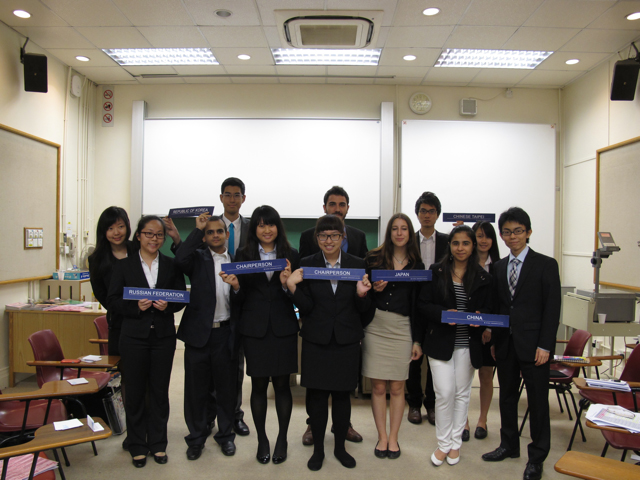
386, 348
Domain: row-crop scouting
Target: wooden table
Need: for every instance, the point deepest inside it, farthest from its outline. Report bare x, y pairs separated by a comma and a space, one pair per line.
106, 361
57, 389
590, 467
73, 329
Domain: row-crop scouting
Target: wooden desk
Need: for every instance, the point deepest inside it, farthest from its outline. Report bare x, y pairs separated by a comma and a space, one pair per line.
73, 329
590, 467
106, 362
57, 389
609, 428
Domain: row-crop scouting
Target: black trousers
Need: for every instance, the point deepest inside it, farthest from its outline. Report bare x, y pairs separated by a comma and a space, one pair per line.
212, 363
415, 396
238, 412
114, 342
148, 362
317, 403
536, 380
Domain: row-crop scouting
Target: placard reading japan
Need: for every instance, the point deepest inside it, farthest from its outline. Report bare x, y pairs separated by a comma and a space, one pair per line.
401, 275
257, 266
136, 293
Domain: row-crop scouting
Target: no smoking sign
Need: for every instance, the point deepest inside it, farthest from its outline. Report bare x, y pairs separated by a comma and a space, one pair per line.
108, 106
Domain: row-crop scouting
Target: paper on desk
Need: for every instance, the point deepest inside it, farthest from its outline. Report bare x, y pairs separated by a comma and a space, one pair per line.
614, 416
67, 424
96, 427
619, 385
78, 381
91, 358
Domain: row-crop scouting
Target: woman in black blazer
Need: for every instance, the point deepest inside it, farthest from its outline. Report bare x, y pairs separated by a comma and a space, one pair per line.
148, 340
331, 313
112, 243
268, 326
458, 284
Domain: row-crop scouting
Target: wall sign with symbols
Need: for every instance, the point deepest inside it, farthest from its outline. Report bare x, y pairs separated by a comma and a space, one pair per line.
33, 237
107, 106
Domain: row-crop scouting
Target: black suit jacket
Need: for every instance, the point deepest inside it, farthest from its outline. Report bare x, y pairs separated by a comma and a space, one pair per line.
442, 241
128, 272
439, 340
197, 263
326, 314
534, 311
244, 233
357, 242
264, 302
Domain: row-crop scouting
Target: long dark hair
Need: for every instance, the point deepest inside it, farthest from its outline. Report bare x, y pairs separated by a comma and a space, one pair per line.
382, 256
447, 262
489, 231
143, 223
107, 218
268, 216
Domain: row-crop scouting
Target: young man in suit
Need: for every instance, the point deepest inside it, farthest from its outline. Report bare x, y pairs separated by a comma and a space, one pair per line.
527, 288
432, 245
354, 242
207, 328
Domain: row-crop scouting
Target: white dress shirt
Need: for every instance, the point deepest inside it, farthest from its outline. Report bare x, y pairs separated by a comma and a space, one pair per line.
428, 249
267, 256
150, 273
237, 226
334, 283
223, 310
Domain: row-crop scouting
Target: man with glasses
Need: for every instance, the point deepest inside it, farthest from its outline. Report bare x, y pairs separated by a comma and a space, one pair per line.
432, 245
527, 288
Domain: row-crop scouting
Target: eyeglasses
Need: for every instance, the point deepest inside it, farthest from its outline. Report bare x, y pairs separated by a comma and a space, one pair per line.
322, 237
159, 236
424, 211
508, 233
235, 196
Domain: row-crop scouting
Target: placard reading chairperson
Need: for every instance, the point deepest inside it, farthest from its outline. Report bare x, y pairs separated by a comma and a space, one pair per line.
469, 217
401, 275
137, 293
470, 318
348, 274
189, 212
255, 266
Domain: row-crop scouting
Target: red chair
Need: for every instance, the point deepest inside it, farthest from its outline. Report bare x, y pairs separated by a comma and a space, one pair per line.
46, 347
102, 327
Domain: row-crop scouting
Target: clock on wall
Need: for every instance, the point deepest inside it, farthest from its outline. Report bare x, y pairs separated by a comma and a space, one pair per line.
420, 103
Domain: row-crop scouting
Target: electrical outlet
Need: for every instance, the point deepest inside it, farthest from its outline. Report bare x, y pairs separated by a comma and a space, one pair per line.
619, 351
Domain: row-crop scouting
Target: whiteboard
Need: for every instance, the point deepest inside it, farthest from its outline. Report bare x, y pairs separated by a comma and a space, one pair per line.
482, 167
286, 163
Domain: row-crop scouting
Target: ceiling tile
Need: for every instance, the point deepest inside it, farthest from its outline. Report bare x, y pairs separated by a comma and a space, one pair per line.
350, 81
418, 36
68, 57
150, 70
499, 12
501, 76
357, 71
55, 37
479, 37
257, 80
234, 36
199, 69
114, 37
316, 80
558, 59
301, 70
174, 37
386, 6
196, 80
567, 13
538, 38
454, 75
409, 12
41, 16
550, 78
154, 12
250, 70
229, 56
405, 72
267, 7
615, 17
273, 39
383, 35
104, 74
426, 57
161, 81
88, 13
601, 41
244, 12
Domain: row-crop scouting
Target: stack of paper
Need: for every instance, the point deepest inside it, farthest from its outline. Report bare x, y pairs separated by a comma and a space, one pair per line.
91, 358
570, 359
19, 467
619, 385
614, 416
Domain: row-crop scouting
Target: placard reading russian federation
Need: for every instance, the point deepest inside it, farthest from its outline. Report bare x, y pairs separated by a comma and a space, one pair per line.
136, 293
189, 212
256, 266
318, 273
469, 217
401, 275
470, 318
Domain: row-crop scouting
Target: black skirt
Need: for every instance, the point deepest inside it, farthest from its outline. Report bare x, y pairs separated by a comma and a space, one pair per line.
330, 367
487, 359
271, 356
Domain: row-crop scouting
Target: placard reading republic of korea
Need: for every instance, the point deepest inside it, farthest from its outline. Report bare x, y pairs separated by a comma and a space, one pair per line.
469, 217
401, 275
137, 293
254, 266
318, 273
470, 318
189, 212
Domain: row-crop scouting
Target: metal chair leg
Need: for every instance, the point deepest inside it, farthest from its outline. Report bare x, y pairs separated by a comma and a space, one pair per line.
524, 420
604, 450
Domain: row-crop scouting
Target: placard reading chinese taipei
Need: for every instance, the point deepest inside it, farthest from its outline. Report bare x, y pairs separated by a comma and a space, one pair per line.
401, 275
470, 318
257, 266
137, 293
318, 273
189, 212
469, 217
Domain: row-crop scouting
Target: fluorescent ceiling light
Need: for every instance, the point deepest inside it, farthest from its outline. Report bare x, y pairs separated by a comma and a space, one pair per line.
631, 16
316, 56
21, 14
82, 58
431, 11
409, 58
244, 57
573, 61
469, 58
161, 56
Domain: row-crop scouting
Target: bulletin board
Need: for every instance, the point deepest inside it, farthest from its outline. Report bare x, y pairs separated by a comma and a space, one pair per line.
617, 207
30, 198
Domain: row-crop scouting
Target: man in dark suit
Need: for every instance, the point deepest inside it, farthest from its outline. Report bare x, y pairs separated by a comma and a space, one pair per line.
207, 328
527, 288
432, 245
354, 242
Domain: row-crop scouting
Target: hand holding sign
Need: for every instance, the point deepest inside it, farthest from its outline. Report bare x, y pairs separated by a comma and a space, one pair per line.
231, 280
144, 304
294, 279
363, 286
284, 274
201, 220
172, 231
379, 285
160, 305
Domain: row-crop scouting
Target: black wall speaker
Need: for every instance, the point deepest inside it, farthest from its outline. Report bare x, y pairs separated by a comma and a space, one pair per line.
625, 78
35, 73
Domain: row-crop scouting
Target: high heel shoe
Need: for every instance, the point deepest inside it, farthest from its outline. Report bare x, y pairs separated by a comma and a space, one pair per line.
453, 461
435, 460
261, 456
281, 456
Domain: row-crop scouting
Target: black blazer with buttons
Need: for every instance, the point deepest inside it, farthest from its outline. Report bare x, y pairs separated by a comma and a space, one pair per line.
440, 337
128, 272
326, 314
265, 303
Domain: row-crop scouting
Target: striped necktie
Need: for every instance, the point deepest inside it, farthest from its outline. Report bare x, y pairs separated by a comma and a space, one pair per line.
513, 276
232, 239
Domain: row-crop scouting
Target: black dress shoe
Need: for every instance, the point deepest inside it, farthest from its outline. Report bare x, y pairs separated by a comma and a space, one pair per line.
263, 455
380, 453
465, 435
125, 444
393, 455
281, 454
140, 462
161, 459
480, 433
194, 451
499, 454
431, 415
532, 472
228, 448
240, 427
278, 459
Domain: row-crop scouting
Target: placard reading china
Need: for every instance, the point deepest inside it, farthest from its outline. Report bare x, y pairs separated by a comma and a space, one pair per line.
137, 293
470, 318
